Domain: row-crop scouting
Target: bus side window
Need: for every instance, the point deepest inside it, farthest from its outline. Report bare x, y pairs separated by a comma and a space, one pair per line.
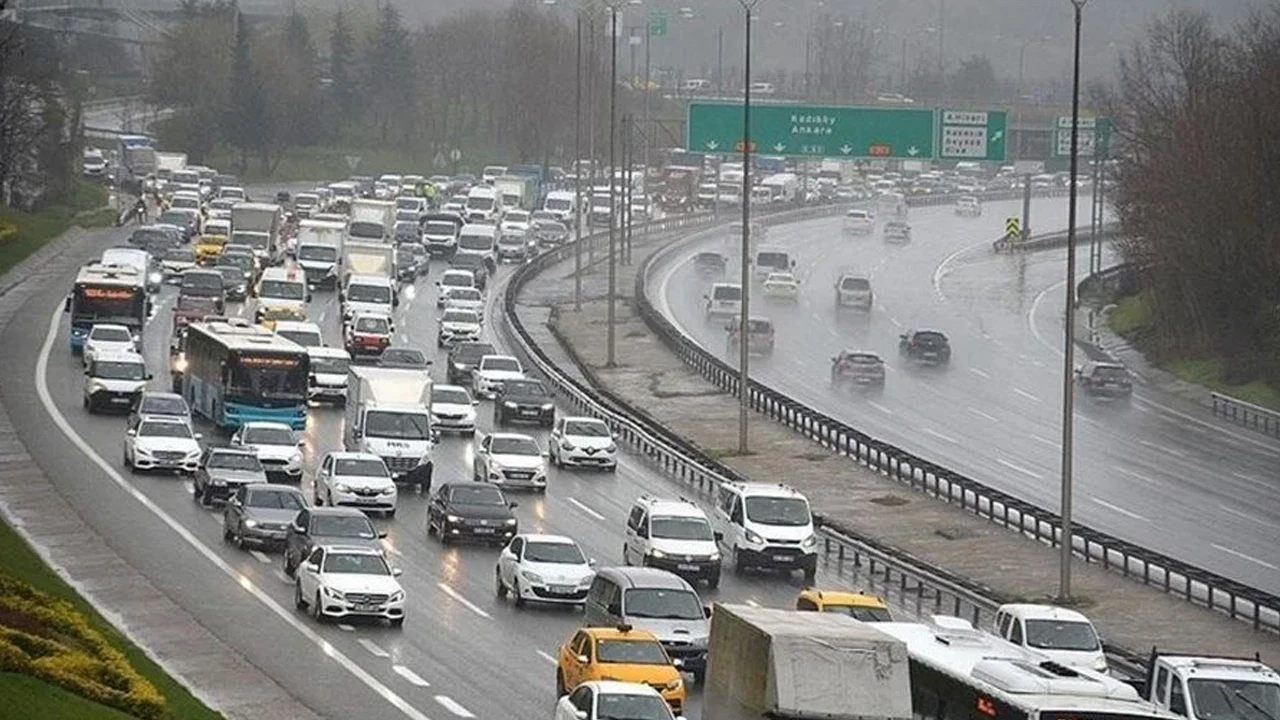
1177, 703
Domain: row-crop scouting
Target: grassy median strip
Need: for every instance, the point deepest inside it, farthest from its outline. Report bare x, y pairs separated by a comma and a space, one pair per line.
26, 697
22, 233
23, 567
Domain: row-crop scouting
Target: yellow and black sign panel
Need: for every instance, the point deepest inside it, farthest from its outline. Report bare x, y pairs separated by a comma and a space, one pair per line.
1012, 227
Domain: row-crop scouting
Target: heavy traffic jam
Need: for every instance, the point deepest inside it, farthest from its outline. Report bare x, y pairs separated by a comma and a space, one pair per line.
233, 284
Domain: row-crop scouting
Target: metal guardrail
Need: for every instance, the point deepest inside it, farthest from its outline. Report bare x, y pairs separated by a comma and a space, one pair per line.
1256, 417
928, 589
1195, 585
1054, 239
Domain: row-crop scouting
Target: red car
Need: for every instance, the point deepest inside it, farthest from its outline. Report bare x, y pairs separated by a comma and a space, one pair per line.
369, 335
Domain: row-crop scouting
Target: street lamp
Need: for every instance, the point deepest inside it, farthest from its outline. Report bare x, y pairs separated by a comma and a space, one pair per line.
744, 383
1068, 355
588, 9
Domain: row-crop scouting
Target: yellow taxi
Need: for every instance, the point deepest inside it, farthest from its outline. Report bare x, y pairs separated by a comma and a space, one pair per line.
619, 653
209, 248
857, 605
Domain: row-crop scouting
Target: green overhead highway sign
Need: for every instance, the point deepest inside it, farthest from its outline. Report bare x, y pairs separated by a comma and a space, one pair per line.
657, 24
1094, 136
852, 132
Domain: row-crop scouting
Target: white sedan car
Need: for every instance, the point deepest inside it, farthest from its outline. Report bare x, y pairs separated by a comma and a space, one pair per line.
337, 581
458, 325
108, 339
782, 286
510, 460
356, 480
492, 371
462, 298
279, 450
162, 443
453, 409
601, 699
582, 442
544, 568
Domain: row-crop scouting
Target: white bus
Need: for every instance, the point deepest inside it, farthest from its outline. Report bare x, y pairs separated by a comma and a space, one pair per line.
960, 673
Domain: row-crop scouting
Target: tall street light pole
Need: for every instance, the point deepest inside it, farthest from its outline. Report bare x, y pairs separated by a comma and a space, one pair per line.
1068, 354
744, 381
611, 360
577, 171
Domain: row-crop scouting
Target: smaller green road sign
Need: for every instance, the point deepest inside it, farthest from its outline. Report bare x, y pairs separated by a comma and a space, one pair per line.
657, 24
814, 130
972, 135
1093, 138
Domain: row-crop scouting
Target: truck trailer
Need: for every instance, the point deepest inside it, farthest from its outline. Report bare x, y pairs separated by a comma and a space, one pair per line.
388, 414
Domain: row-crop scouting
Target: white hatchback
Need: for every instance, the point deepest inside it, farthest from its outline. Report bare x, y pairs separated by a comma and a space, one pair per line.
544, 568
492, 371
453, 409
583, 442
358, 480
279, 450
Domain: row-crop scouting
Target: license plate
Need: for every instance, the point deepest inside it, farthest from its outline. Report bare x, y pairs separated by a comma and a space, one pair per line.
120, 400
484, 531
528, 412
560, 590
364, 607
686, 567
781, 558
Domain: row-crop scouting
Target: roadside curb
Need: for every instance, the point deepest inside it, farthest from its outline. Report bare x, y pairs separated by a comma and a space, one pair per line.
170, 636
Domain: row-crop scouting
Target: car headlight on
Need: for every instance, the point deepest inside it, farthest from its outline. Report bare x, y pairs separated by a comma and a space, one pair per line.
509, 405
180, 364
251, 523
511, 521
531, 577
1100, 665
714, 556
547, 407
658, 554
217, 482
396, 596
754, 538
295, 459
452, 518
155, 277
810, 541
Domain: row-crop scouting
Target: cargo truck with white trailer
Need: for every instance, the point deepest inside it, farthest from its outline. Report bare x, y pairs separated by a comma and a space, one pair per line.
388, 413
364, 258
769, 663
371, 221
319, 251
258, 226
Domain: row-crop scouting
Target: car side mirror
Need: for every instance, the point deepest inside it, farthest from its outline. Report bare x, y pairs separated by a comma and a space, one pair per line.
66, 305
704, 297
297, 527
475, 402
395, 301
308, 297
396, 572
147, 376
513, 505
313, 567
592, 562
131, 432
719, 536
382, 535
199, 437
818, 521
584, 660
706, 610
677, 662
88, 372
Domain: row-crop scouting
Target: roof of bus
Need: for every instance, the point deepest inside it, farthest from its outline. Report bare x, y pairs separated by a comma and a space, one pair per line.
1013, 674
110, 275
242, 336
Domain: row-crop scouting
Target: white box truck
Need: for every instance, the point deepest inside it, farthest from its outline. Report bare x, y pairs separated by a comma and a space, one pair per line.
388, 413
371, 220
258, 226
768, 663
319, 251
364, 258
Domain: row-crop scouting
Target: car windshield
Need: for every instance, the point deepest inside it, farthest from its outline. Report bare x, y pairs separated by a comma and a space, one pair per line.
268, 436
625, 706
500, 364
631, 652
347, 526
461, 316
773, 259
163, 405
559, 553
1061, 635
1234, 699
318, 253
111, 370
274, 499
514, 446
450, 396
466, 294
180, 255
234, 461
105, 334
181, 219
855, 284
1109, 372
727, 293
165, 429
476, 495
475, 242
359, 467
330, 365
525, 388
373, 324
197, 283
586, 428
663, 604
305, 338
471, 352
865, 614
681, 528
283, 290
355, 564
405, 426
786, 511
930, 338
440, 228
458, 280
379, 294
403, 356
231, 275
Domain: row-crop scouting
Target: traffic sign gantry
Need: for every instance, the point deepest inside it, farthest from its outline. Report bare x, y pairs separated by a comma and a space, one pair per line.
851, 132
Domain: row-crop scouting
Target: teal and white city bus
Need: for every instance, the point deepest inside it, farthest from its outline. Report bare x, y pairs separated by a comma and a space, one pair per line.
114, 294
232, 373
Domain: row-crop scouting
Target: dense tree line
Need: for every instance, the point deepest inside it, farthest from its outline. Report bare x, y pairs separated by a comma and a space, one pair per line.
1198, 114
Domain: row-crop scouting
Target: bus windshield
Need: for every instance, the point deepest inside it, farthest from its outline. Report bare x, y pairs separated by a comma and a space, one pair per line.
268, 379
116, 304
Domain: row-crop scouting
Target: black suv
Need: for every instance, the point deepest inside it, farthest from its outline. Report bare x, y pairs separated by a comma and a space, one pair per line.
523, 401
1103, 379
471, 510
327, 526
926, 346
405, 358
463, 358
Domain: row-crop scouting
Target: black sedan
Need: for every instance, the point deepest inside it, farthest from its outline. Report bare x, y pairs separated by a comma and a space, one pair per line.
523, 401
478, 511
463, 358
925, 346
222, 473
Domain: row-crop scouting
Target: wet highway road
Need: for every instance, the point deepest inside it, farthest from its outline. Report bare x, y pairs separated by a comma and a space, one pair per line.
462, 652
1155, 471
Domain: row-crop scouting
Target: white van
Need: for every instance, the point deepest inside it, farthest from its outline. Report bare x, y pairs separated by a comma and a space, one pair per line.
282, 294
1064, 636
478, 239
763, 525
724, 300
859, 222
482, 204
562, 204
772, 260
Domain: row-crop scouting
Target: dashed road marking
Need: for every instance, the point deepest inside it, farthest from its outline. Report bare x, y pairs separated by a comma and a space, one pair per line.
410, 675
1137, 476
1118, 509
981, 414
373, 648
1026, 395
452, 706
283, 577
260, 557
1245, 515
345, 627
1019, 468
1045, 440
753, 603
940, 436
895, 322
880, 407
548, 657
461, 600
1242, 556
1162, 448
979, 373
583, 507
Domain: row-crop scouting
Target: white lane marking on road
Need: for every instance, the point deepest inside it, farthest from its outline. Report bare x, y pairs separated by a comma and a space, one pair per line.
461, 600
1026, 395
288, 616
1117, 508
373, 648
753, 603
979, 373
583, 507
879, 407
260, 557
325, 313
895, 322
1242, 556
1245, 515
1137, 476
452, 706
981, 414
548, 657
283, 577
1162, 448
413, 677
190, 486
345, 627
1019, 468
940, 436
1035, 324
1045, 440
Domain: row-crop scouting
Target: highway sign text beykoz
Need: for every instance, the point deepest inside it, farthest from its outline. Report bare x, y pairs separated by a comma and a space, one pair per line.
898, 133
